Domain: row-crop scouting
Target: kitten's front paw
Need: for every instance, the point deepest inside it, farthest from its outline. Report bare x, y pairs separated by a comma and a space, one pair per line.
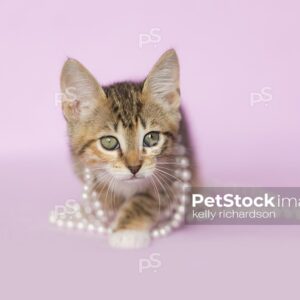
129, 239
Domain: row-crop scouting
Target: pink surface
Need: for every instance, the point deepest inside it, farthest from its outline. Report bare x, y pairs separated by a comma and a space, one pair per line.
227, 50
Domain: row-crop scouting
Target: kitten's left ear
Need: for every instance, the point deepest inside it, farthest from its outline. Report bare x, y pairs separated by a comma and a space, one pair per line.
162, 83
82, 94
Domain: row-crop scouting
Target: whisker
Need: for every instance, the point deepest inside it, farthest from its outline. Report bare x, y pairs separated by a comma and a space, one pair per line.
108, 189
99, 180
163, 179
105, 185
171, 175
114, 195
166, 177
95, 169
157, 193
168, 169
169, 164
167, 193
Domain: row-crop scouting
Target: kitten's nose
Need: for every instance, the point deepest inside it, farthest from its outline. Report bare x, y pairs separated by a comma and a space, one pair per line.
134, 169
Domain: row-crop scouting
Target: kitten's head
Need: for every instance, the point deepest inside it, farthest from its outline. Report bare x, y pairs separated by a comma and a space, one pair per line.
123, 130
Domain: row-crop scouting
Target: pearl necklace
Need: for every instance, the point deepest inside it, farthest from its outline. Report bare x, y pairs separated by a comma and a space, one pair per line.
89, 215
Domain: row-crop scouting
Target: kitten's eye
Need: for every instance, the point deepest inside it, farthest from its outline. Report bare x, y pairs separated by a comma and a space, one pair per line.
151, 139
109, 143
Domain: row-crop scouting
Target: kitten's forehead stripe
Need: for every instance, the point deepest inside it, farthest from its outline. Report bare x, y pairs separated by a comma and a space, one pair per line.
125, 98
143, 122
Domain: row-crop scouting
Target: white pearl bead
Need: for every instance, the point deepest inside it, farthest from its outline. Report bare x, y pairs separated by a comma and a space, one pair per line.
80, 225
181, 209
87, 170
186, 175
70, 224
87, 176
176, 185
90, 227
100, 213
84, 196
60, 223
100, 229
96, 204
184, 162
76, 207
162, 231
85, 187
184, 186
52, 218
177, 217
155, 233
175, 223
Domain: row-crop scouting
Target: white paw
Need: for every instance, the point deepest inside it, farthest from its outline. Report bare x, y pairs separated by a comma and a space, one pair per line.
129, 239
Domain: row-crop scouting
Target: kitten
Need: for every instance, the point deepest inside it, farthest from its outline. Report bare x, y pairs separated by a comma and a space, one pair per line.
126, 134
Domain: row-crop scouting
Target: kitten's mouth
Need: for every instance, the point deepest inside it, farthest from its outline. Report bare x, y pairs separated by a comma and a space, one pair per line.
134, 178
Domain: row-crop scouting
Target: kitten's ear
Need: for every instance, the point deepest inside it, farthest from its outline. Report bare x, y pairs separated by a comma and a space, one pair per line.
81, 91
162, 83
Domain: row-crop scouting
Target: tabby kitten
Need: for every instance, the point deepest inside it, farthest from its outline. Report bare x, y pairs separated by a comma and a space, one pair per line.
126, 134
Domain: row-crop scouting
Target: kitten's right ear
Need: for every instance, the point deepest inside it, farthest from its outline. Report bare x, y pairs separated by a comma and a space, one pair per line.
81, 91
162, 83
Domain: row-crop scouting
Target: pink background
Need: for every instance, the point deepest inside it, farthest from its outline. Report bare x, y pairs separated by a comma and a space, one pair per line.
227, 50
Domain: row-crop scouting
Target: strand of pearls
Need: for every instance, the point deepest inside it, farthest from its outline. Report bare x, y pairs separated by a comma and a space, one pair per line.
90, 216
